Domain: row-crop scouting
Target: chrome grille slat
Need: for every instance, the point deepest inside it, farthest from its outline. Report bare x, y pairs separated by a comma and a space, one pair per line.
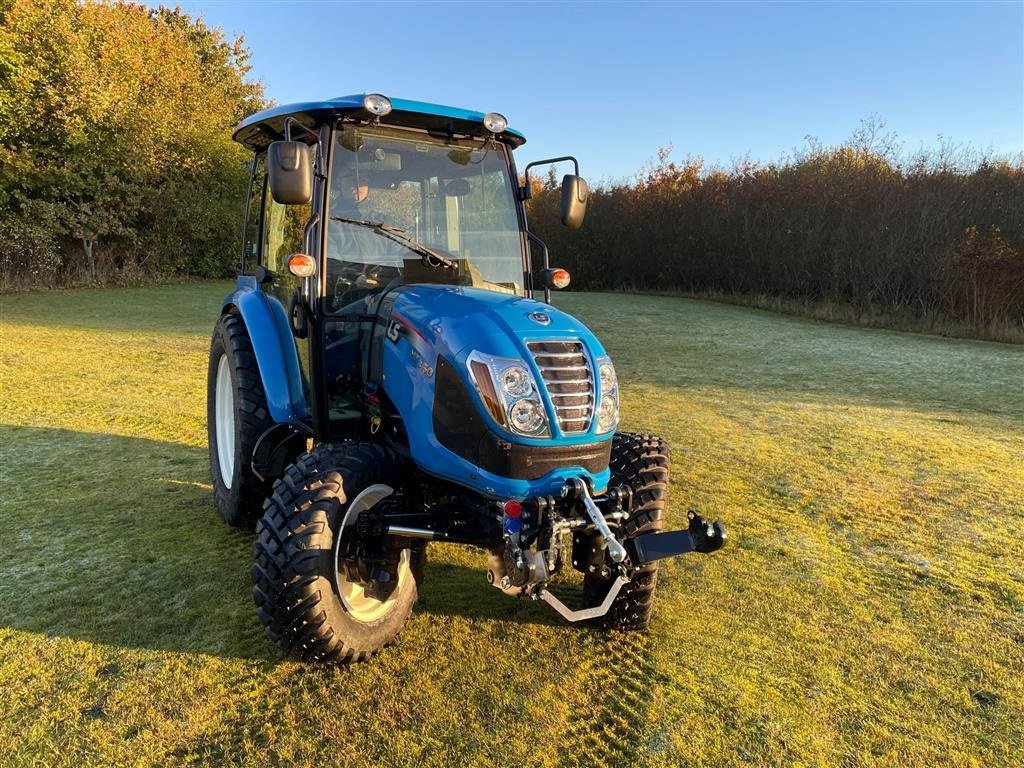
569, 380
559, 367
557, 354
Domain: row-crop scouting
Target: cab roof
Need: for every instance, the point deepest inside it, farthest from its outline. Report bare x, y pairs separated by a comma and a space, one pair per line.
257, 131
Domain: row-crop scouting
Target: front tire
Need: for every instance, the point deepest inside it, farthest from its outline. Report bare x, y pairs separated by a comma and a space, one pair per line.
236, 416
642, 463
306, 602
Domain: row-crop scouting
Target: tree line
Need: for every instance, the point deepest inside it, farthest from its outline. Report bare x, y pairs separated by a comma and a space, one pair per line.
116, 159
116, 163
937, 236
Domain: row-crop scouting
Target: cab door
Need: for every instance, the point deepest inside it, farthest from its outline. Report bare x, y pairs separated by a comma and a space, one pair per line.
283, 230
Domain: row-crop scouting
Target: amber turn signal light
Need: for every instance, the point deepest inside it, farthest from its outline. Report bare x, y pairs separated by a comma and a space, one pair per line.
555, 278
485, 385
301, 265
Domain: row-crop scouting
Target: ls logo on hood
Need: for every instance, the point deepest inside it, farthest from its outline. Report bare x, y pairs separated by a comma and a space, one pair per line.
540, 317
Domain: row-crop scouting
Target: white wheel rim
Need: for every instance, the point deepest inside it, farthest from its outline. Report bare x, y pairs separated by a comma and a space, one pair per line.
224, 413
361, 606
366, 608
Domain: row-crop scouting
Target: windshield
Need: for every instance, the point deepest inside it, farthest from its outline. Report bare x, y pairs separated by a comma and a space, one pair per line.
446, 197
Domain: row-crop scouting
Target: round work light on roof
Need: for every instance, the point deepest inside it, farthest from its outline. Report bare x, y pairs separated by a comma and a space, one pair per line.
376, 104
494, 122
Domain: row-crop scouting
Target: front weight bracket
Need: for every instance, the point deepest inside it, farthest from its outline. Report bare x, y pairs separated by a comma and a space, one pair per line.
701, 536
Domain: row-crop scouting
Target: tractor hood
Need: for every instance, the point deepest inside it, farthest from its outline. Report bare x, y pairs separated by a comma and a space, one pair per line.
456, 321
431, 333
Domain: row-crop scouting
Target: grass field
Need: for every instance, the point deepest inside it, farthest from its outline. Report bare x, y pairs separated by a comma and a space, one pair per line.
867, 610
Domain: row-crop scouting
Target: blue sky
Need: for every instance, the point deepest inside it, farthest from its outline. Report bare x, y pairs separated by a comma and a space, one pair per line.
612, 82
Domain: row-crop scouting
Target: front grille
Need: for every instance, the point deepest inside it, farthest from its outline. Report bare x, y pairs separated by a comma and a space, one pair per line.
569, 380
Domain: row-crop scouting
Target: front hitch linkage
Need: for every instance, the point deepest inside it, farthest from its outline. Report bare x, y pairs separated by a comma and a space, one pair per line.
574, 485
701, 536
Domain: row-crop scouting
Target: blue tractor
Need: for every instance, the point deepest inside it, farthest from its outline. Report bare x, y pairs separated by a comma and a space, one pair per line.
382, 378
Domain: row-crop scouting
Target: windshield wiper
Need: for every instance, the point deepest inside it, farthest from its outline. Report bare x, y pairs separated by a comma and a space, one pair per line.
430, 257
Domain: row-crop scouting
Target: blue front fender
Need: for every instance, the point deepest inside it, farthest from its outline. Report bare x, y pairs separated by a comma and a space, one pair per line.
274, 346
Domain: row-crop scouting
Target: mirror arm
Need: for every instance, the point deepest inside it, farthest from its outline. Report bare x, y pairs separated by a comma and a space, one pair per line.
288, 123
544, 251
525, 193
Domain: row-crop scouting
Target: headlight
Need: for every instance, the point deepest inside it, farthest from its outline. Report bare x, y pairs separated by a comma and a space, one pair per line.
609, 381
509, 393
608, 411
516, 381
527, 416
608, 414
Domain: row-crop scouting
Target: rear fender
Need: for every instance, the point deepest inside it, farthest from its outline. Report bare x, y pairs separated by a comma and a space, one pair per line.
274, 345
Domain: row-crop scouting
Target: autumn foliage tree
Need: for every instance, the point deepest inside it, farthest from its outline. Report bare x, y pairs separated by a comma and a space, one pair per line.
115, 151
938, 235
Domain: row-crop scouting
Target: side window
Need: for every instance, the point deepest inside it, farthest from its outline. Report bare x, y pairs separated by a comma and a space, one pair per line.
251, 236
283, 227
488, 225
282, 232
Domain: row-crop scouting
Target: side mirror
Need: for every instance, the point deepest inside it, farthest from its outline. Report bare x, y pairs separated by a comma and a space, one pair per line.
290, 172
575, 193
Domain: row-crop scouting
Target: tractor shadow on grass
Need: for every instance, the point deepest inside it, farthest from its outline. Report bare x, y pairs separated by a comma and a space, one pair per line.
456, 590
116, 540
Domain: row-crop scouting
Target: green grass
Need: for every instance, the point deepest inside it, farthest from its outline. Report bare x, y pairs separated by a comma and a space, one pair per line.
867, 610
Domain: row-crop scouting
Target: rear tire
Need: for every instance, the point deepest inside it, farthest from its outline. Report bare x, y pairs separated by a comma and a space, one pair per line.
236, 416
642, 463
295, 558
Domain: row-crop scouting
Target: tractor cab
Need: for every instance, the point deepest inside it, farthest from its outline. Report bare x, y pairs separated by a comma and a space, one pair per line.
357, 196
